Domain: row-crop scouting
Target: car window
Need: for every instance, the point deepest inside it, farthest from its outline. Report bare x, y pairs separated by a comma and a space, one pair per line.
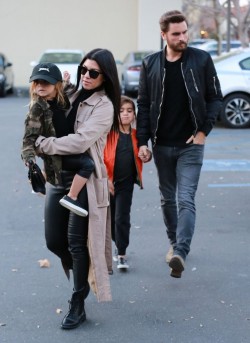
1, 61
245, 64
140, 55
235, 45
200, 41
65, 58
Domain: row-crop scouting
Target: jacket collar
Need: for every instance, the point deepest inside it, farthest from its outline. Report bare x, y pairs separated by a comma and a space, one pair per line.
184, 55
45, 106
43, 103
92, 99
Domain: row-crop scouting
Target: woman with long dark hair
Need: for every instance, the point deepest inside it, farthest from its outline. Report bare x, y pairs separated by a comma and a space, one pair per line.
84, 243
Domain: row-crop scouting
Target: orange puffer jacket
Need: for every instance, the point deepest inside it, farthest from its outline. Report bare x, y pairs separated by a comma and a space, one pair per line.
110, 151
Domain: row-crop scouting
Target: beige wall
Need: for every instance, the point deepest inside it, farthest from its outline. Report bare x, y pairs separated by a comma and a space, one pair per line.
148, 21
31, 26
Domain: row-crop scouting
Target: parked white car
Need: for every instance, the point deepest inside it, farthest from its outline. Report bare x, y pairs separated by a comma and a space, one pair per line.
211, 46
196, 43
234, 74
129, 71
65, 59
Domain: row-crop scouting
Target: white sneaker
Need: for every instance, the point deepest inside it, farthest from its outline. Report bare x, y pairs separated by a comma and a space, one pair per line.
122, 263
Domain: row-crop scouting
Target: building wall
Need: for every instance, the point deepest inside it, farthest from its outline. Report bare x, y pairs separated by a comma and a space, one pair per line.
149, 13
28, 27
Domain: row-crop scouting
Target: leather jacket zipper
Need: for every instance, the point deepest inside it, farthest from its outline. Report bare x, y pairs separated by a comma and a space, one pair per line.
215, 88
191, 106
195, 84
162, 94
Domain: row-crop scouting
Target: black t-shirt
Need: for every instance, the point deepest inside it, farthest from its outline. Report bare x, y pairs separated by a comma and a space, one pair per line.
124, 160
59, 119
83, 95
175, 124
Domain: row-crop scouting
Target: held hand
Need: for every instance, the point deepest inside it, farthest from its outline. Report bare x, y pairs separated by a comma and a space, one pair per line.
144, 154
149, 156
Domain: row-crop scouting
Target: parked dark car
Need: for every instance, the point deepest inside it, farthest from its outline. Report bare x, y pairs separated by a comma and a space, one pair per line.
130, 71
6, 76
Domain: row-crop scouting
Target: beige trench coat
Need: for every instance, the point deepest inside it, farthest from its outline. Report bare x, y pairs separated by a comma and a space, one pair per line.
93, 122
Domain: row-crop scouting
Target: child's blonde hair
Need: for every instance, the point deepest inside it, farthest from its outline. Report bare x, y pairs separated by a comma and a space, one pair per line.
59, 93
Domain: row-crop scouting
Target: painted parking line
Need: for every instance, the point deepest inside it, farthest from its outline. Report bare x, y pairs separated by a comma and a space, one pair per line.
228, 185
226, 165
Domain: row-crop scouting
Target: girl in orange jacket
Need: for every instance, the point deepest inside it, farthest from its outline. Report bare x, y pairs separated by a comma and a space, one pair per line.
124, 169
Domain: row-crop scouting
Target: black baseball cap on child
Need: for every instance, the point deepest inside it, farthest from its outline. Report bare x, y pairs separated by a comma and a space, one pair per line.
46, 71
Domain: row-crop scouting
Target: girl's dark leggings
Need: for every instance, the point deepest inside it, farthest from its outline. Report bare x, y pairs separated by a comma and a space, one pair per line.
120, 205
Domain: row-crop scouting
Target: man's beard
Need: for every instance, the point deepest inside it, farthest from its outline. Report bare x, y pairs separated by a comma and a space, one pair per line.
179, 47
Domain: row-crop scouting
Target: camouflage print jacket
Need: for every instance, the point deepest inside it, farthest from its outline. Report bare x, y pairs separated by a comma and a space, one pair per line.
39, 122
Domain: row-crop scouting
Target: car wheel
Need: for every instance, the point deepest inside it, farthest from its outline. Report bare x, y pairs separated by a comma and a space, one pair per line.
11, 90
2, 90
236, 111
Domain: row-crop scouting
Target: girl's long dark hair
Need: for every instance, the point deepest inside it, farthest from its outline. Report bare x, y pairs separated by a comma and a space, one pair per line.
105, 59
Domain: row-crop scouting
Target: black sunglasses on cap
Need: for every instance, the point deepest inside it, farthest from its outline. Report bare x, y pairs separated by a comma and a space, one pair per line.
92, 72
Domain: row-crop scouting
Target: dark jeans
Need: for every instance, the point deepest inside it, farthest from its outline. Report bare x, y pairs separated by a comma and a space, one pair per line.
66, 234
179, 171
120, 205
81, 164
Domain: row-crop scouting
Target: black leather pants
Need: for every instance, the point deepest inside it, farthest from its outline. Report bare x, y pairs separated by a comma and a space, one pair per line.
66, 234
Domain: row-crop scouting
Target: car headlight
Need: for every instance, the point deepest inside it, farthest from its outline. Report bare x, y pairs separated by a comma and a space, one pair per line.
1, 77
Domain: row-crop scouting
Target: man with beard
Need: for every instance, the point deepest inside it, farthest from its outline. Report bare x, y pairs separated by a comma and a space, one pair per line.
179, 99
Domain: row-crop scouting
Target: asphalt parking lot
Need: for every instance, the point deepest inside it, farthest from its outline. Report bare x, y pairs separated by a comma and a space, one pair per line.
209, 304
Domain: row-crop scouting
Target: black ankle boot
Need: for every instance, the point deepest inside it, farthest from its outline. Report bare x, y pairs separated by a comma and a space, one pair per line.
76, 314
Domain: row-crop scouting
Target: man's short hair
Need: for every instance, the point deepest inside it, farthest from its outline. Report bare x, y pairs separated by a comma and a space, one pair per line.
171, 17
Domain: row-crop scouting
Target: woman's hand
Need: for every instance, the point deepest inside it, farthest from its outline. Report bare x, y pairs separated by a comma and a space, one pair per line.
66, 77
111, 187
30, 162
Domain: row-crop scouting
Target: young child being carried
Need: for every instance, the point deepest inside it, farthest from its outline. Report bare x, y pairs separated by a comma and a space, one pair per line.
49, 116
124, 169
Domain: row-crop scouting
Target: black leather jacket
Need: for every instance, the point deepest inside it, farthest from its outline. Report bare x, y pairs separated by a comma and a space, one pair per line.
202, 85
